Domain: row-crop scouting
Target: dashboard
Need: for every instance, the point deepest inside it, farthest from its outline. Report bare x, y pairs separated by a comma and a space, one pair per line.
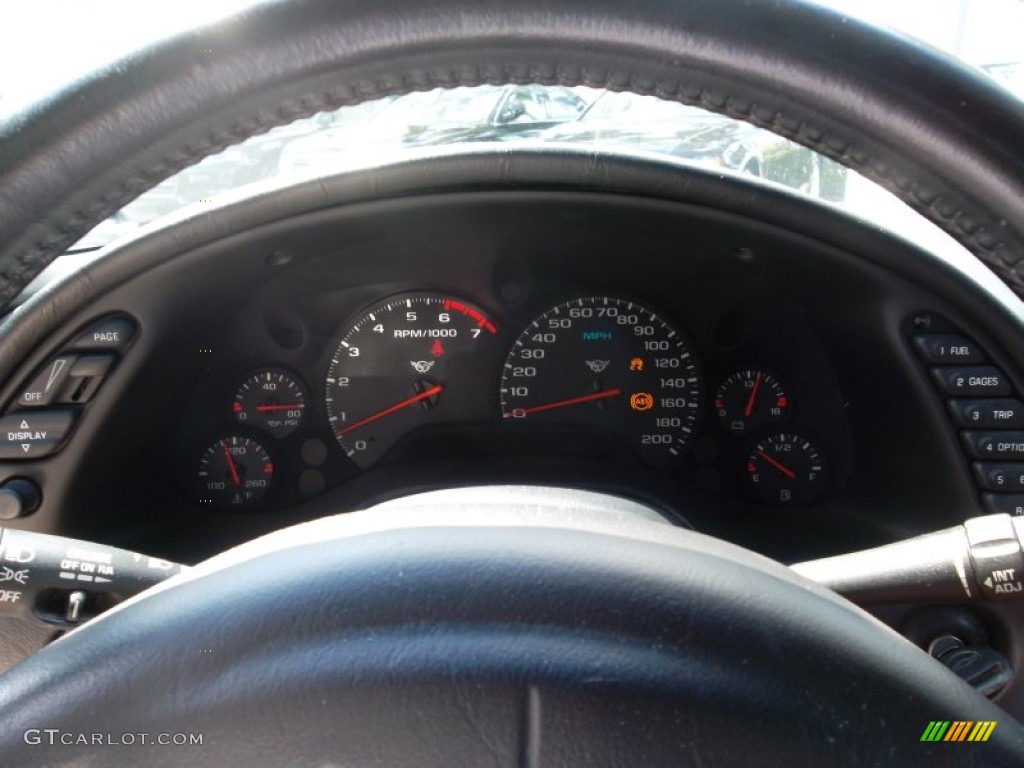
754, 380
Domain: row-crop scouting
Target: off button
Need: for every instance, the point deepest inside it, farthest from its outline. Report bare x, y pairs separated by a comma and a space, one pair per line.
34, 434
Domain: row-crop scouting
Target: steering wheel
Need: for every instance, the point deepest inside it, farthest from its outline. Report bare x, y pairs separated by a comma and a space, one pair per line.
547, 627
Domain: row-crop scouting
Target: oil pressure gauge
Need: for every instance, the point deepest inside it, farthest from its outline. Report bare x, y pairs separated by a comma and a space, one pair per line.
272, 400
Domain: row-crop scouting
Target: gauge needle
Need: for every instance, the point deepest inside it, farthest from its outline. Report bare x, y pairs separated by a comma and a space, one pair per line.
434, 390
231, 463
571, 401
783, 469
753, 396
277, 407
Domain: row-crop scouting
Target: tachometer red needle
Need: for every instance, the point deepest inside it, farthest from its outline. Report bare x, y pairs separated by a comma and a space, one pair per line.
434, 390
231, 463
753, 396
277, 407
571, 401
783, 469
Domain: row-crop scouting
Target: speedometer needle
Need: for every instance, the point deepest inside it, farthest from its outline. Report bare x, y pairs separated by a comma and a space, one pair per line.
427, 393
231, 463
562, 403
783, 469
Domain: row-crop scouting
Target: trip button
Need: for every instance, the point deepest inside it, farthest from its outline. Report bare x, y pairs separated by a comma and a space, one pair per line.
995, 445
1006, 478
1001, 414
34, 434
971, 381
946, 349
47, 383
111, 334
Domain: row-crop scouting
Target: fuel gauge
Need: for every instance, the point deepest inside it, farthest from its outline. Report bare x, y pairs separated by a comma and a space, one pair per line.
787, 469
750, 399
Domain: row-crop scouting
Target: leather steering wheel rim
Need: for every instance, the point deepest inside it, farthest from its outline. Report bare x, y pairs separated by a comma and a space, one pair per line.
940, 137
491, 626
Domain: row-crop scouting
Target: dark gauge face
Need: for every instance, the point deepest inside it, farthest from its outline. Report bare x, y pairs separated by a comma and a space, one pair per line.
750, 399
271, 400
403, 364
234, 472
787, 469
608, 363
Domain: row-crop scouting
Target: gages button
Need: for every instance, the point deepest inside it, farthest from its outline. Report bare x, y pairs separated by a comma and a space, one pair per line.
971, 381
34, 434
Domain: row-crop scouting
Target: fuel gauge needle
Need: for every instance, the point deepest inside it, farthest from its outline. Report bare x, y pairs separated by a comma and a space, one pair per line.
571, 401
425, 394
231, 463
783, 469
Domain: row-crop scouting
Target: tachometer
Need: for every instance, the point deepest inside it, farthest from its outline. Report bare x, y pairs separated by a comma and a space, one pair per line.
609, 363
404, 363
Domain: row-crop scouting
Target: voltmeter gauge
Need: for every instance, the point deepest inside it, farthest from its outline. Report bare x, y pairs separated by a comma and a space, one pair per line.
271, 400
234, 472
787, 469
750, 399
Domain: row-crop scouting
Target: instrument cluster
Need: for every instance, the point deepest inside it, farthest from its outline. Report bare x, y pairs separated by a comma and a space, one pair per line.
432, 374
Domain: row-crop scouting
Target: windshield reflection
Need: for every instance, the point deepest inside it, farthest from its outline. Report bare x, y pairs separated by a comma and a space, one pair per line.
369, 133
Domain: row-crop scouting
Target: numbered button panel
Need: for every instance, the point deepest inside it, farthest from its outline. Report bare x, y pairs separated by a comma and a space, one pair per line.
982, 403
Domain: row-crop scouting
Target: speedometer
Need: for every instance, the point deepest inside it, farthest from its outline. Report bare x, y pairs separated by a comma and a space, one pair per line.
610, 363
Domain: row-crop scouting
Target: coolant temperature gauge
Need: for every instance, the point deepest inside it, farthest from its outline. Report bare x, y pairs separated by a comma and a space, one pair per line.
234, 472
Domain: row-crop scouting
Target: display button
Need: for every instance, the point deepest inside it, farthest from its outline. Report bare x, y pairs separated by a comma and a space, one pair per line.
1007, 478
1001, 414
1004, 503
47, 383
972, 381
114, 333
34, 434
946, 349
995, 445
